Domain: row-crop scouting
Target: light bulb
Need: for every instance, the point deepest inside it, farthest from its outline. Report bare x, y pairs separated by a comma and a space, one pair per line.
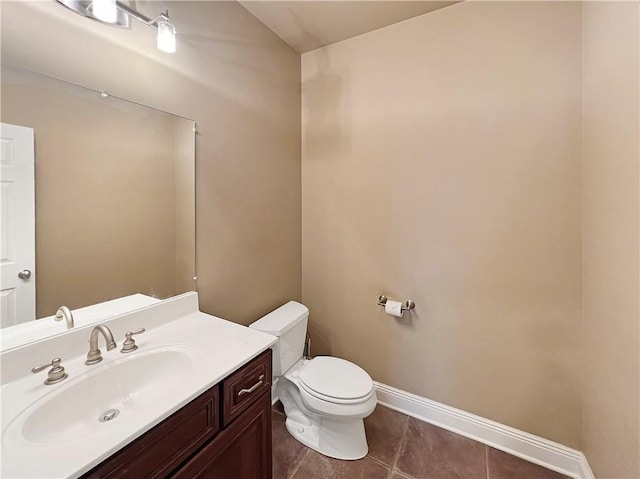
105, 10
166, 37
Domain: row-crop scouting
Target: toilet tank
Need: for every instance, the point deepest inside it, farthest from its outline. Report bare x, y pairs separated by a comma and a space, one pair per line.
289, 323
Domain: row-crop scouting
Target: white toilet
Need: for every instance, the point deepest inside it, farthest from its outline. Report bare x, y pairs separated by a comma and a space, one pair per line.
325, 399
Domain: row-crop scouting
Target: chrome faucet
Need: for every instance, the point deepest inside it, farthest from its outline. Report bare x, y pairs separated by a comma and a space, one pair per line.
94, 355
65, 313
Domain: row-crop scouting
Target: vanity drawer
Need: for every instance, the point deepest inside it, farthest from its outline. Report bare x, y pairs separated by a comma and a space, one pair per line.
159, 451
245, 386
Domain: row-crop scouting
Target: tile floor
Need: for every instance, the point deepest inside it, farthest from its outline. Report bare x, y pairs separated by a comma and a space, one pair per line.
400, 447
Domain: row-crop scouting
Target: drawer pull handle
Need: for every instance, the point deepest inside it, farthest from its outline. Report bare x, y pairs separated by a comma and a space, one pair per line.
242, 392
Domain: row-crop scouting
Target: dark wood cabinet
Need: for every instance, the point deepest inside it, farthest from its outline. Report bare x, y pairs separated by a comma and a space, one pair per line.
241, 388
239, 452
224, 433
166, 446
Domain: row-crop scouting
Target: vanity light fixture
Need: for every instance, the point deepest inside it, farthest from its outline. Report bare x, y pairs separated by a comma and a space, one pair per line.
116, 13
105, 10
166, 36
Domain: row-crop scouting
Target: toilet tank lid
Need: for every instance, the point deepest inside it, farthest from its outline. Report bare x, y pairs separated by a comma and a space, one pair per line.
279, 321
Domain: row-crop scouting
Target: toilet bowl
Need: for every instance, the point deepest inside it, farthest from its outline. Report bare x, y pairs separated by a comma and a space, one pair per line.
325, 398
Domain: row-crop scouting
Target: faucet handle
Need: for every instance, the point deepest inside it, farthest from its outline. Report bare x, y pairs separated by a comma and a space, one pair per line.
56, 373
129, 345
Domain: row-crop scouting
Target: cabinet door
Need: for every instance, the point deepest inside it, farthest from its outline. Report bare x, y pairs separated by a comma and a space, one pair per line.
156, 453
242, 451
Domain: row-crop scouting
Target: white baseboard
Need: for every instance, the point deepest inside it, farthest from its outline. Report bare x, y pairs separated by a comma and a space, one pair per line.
531, 448
538, 450
585, 468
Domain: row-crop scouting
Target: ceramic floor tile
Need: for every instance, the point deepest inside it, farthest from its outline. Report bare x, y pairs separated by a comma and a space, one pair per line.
423, 451
317, 466
506, 466
429, 452
384, 432
287, 451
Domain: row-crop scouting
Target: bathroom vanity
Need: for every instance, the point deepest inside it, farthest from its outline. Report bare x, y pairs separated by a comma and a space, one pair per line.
224, 433
193, 400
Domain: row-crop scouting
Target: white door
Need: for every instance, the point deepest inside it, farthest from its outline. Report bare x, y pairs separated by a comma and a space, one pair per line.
17, 218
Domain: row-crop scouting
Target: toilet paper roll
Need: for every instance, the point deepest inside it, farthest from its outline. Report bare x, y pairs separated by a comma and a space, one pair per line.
394, 308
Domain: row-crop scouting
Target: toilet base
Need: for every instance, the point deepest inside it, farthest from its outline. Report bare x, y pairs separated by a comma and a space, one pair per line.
344, 439
335, 430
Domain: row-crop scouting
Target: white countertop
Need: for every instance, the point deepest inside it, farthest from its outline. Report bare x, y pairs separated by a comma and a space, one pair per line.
217, 348
33, 330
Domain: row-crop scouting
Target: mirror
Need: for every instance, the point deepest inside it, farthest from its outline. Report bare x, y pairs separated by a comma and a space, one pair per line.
114, 200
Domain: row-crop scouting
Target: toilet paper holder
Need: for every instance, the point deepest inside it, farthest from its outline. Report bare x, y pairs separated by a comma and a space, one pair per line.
408, 304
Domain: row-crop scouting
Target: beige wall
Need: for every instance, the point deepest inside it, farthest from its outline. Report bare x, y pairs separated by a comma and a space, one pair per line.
105, 193
241, 84
441, 163
610, 213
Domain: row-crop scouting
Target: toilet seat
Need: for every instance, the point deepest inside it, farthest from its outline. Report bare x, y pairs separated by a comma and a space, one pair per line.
335, 380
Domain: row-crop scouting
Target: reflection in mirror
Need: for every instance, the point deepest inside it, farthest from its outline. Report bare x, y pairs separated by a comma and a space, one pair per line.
114, 201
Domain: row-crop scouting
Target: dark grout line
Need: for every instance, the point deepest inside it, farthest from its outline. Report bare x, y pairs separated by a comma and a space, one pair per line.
486, 460
302, 458
401, 444
382, 463
390, 474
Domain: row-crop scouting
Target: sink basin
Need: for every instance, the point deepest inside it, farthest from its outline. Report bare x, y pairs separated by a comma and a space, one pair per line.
127, 386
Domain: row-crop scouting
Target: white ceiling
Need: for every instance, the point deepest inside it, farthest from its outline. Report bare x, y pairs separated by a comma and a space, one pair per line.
307, 25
